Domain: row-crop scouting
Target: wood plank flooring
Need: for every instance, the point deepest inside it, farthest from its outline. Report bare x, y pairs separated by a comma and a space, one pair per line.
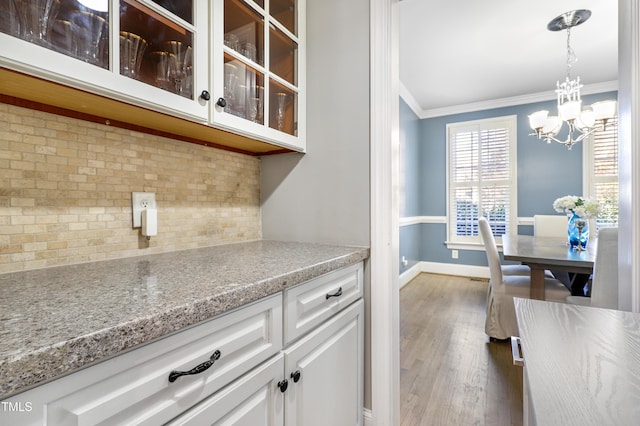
450, 373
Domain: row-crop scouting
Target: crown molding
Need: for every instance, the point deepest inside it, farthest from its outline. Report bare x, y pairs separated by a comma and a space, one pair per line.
408, 98
607, 86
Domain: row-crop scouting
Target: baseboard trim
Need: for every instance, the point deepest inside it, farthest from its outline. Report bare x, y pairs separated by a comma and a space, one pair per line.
366, 416
471, 271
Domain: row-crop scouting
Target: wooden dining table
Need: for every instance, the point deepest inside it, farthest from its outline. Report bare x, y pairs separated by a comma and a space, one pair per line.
542, 253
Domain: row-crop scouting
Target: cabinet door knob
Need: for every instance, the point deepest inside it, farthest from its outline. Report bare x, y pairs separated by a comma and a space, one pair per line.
295, 376
205, 95
173, 376
338, 293
283, 385
221, 102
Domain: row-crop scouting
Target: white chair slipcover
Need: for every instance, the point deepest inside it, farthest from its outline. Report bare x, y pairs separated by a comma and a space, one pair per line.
604, 285
501, 315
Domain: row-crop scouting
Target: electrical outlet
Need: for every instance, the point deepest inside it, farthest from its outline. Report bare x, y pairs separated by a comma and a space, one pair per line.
454, 254
139, 202
405, 262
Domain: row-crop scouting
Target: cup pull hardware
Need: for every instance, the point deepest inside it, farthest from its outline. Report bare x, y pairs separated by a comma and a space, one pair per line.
173, 376
338, 293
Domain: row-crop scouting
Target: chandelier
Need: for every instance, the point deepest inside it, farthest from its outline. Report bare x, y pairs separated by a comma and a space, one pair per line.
581, 122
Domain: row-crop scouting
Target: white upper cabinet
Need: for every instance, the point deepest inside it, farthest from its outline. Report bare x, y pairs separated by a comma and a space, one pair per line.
149, 53
230, 65
258, 75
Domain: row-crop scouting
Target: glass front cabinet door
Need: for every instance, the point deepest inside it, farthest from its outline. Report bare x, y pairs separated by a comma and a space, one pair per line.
152, 53
258, 69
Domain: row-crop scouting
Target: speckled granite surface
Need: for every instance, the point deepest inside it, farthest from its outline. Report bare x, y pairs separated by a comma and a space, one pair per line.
56, 320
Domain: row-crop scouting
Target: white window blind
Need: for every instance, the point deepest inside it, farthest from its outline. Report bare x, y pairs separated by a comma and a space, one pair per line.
602, 172
481, 177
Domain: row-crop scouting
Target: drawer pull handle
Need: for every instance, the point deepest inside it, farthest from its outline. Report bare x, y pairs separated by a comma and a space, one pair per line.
283, 385
516, 351
173, 376
295, 376
336, 294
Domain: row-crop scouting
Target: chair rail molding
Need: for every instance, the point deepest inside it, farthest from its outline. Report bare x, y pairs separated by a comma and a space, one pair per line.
414, 220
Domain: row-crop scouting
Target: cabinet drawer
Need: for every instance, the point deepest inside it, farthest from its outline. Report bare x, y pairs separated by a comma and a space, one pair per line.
134, 388
309, 304
253, 399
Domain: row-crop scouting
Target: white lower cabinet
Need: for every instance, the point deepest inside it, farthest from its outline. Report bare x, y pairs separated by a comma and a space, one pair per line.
231, 370
135, 388
330, 364
254, 399
317, 381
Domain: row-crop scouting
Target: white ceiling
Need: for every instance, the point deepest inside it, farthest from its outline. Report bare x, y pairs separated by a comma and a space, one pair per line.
461, 52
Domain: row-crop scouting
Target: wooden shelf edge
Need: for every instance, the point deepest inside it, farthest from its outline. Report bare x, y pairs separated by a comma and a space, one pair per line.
35, 93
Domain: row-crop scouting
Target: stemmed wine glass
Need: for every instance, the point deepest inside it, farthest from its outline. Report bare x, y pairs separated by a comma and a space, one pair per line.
180, 60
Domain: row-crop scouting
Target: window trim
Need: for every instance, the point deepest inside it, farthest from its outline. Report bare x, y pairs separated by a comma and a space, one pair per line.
588, 165
511, 121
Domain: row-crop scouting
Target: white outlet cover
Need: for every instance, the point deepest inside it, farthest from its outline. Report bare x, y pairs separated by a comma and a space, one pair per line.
139, 202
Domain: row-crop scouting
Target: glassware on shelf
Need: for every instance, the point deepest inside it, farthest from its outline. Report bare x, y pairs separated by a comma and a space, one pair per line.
63, 37
9, 20
244, 30
90, 28
179, 60
248, 50
283, 108
230, 83
281, 100
259, 104
35, 18
132, 48
231, 41
162, 60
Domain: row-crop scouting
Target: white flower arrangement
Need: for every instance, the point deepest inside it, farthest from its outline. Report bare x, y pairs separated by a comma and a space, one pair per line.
583, 207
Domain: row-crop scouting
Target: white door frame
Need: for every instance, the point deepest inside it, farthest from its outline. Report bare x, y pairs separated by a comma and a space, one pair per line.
629, 154
385, 368
385, 334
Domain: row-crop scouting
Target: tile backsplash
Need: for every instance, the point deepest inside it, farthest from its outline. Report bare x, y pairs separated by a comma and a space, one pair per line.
65, 191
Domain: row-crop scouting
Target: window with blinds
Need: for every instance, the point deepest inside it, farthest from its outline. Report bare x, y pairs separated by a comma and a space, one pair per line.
481, 178
602, 172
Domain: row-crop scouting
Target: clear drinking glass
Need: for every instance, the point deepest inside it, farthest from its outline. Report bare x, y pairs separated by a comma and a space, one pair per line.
230, 83
36, 17
167, 62
10, 19
90, 28
132, 48
281, 101
63, 37
180, 59
161, 60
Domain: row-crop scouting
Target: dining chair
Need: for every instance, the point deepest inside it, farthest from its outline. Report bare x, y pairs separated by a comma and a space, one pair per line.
546, 225
556, 226
501, 321
604, 284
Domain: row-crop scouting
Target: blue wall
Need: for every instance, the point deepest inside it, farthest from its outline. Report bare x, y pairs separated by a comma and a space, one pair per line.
545, 172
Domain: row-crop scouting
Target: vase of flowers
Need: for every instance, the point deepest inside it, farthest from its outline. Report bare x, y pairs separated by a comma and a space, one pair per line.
579, 210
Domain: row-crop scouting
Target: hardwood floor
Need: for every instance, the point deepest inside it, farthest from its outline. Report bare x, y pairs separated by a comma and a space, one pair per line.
450, 373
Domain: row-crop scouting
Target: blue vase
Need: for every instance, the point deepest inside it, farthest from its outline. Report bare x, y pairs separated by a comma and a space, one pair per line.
578, 239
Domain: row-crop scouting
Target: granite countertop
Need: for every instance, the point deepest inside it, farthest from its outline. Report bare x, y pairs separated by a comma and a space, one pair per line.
56, 320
